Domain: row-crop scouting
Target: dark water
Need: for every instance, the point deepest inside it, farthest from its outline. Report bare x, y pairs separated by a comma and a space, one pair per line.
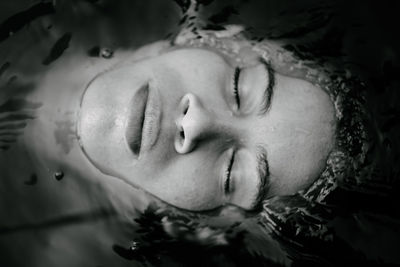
348, 215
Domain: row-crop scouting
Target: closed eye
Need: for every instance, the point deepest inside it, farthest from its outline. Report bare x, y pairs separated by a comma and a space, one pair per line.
236, 86
227, 183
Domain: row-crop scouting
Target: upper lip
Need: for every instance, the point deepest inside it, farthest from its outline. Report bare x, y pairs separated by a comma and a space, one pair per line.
143, 124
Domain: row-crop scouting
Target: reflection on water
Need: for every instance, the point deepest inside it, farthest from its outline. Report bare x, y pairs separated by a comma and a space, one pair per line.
55, 213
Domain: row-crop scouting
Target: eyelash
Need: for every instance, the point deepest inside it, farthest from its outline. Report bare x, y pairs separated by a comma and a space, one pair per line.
228, 174
237, 98
236, 86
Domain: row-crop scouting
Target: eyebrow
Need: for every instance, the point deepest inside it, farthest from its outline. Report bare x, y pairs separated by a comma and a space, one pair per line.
264, 176
269, 90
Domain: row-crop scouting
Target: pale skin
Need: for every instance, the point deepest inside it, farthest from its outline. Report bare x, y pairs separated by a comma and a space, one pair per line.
210, 136
206, 135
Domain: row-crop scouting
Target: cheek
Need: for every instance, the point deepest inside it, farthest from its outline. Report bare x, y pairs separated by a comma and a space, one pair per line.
188, 183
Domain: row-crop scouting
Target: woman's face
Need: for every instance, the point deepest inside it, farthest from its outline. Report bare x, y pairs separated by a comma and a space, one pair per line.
198, 131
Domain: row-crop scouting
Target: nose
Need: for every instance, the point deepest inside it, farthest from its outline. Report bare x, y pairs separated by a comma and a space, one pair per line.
194, 122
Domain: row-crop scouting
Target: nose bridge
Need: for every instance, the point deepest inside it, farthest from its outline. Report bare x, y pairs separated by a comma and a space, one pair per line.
197, 122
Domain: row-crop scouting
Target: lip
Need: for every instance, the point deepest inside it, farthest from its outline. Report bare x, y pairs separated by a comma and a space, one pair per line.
143, 125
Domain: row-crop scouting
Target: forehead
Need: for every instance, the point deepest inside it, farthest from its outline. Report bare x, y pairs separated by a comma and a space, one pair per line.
298, 132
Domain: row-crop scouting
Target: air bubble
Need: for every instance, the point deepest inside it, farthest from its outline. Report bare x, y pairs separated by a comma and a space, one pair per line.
106, 53
58, 175
135, 245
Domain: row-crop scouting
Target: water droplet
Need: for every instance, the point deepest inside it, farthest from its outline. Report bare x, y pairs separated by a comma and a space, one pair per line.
58, 175
106, 53
135, 245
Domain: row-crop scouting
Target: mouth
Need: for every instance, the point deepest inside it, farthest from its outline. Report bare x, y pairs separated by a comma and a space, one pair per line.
143, 125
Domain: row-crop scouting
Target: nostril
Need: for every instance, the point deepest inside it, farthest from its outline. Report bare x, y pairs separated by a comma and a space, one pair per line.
181, 144
185, 103
186, 108
186, 123
182, 134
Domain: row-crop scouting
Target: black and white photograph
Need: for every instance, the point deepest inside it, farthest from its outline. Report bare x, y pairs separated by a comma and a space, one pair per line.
200, 133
